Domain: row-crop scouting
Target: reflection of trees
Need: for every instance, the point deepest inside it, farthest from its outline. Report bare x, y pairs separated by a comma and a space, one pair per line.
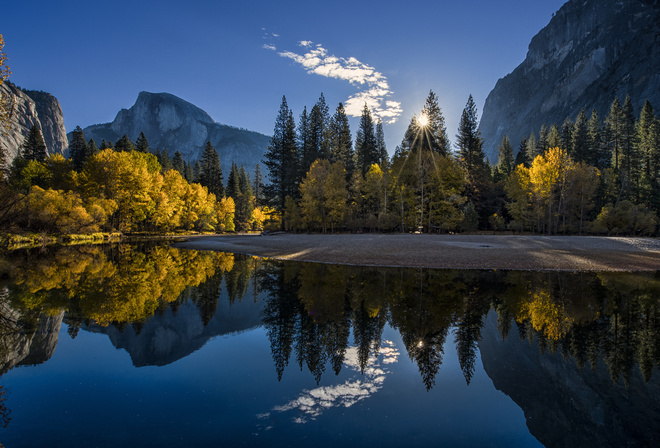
312, 307
114, 284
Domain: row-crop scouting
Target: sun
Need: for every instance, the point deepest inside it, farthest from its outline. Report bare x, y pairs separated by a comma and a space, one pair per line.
423, 120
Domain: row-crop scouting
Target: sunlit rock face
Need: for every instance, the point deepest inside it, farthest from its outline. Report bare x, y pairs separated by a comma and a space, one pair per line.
591, 52
170, 123
566, 406
31, 107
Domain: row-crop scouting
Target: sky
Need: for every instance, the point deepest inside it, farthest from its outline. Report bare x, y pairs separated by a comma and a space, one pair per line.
236, 60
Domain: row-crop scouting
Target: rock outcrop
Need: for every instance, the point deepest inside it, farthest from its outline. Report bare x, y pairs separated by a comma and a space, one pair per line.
31, 107
170, 123
591, 52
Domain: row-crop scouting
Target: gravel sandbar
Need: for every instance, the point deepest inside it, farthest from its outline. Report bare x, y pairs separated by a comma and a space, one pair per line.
566, 253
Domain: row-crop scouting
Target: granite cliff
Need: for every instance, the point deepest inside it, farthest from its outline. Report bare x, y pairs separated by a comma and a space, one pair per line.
591, 52
170, 123
30, 107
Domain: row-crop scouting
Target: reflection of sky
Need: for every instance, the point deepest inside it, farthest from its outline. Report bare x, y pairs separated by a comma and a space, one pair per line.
312, 403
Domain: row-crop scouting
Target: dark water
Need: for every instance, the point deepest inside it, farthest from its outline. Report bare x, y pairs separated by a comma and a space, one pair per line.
154, 346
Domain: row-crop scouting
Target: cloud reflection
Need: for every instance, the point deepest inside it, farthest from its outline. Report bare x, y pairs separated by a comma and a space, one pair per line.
310, 404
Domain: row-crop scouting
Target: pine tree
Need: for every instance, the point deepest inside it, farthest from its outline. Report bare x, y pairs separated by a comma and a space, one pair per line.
554, 137
92, 149
436, 132
648, 144
78, 149
580, 150
542, 142
188, 172
34, 147
613, 133
505, 164
596, 157
632, 160
141, 143
281, 159
318, 144
469, 141
566, 135
211, 173
124, 144
178, 163
304, 144
341, 147
233, 183
165, 161
197, 170
532, 148
521, 157
365, 142
106, 145
258, 185
381, 148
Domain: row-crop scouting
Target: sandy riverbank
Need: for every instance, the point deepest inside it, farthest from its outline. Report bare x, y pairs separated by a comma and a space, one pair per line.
570, 253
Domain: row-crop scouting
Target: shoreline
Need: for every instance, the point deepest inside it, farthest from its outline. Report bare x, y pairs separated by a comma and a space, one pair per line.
483, 252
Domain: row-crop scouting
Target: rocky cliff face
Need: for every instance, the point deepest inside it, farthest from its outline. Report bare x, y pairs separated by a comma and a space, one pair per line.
568, 407
589, 53
29, 108
170, 123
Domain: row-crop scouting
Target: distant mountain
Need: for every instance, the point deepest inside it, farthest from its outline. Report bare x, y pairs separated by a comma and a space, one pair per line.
591, 52
30, 107
173, 124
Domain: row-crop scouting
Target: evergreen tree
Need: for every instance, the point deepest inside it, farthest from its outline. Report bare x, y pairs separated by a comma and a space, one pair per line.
178, 163
436, 132
304, 144
318, 137
165, 161
92, 148
341, 144
365, 143
124, 144
505, 164
521, 157
34, 147
566, 135
532, 148
106, 145
580, 150
595, 143
469, 142
197, 170
188, 172
554, 137
78, 149
258, 185
141, 143
281, 159
648, 144
233, 183
245, 205
632, 161
542, 142
211, 173
381, 148
613, 133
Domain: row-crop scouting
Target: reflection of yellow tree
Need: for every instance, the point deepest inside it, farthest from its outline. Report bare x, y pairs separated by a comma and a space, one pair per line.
546, 316
84, 279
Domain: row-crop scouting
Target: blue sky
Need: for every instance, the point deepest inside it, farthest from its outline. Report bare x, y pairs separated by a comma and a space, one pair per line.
236, 59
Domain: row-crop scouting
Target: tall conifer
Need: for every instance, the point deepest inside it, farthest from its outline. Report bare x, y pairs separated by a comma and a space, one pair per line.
211, 173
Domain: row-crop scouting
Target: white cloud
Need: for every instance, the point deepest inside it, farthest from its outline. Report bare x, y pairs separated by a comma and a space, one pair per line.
374, 89
270, 47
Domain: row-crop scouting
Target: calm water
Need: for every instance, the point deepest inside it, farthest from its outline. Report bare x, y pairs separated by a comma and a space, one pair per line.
154, 346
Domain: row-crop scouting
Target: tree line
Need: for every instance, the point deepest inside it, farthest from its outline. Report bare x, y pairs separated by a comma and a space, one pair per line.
587, 176
124, 186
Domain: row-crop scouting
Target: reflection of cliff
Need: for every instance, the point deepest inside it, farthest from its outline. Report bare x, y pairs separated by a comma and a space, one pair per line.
169, 336
26, 340
566, 407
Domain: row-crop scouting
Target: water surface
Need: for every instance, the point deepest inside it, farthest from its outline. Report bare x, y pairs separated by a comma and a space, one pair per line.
153, 346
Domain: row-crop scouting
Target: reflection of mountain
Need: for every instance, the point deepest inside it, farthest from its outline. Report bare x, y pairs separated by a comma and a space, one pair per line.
566, 407
26, 341
169, 336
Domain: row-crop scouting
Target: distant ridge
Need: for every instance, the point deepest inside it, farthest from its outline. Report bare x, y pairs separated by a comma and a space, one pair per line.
171, 123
